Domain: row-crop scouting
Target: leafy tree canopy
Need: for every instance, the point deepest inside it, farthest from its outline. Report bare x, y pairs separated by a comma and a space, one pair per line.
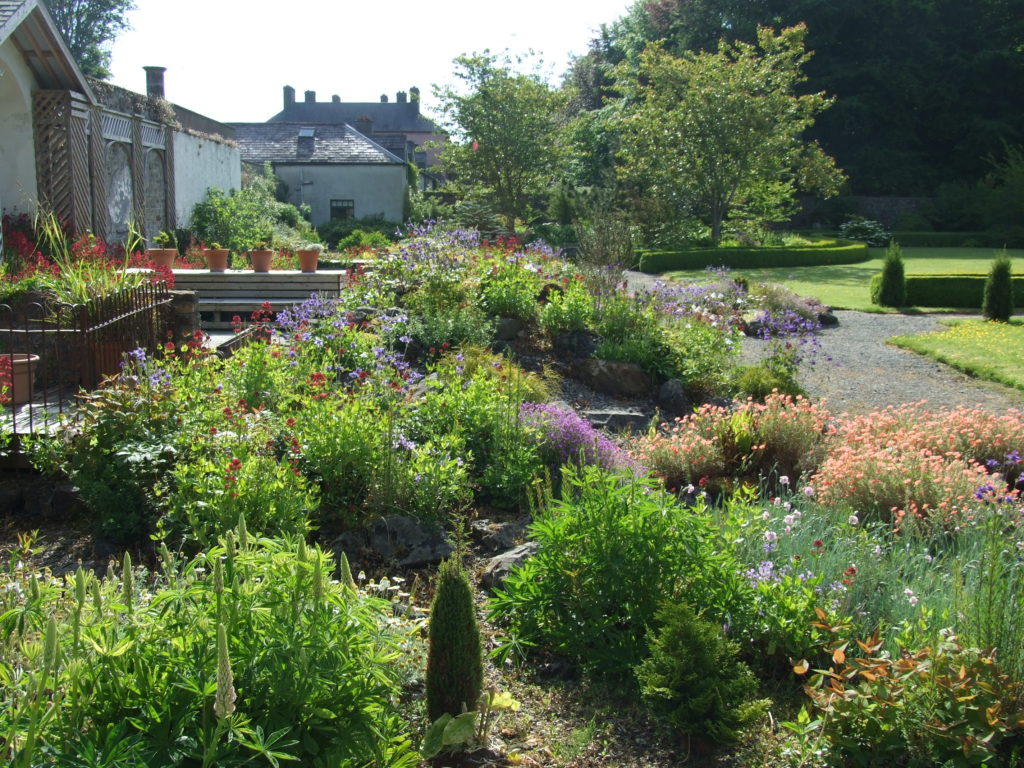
88, 26
504, 125
719, 135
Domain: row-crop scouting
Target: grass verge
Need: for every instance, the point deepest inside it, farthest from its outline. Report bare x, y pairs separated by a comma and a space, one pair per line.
983, 349
845, 286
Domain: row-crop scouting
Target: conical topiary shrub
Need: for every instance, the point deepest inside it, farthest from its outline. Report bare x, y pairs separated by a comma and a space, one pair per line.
998, 300
455, 669
889, 289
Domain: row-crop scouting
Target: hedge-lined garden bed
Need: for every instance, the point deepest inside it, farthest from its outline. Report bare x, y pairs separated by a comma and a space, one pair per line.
827, 251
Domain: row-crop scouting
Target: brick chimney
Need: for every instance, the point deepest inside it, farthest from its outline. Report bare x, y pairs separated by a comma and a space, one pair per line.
335, 99
414, 97
383, 98
311, 97
364, 124
155, 82
400, 97
289, 96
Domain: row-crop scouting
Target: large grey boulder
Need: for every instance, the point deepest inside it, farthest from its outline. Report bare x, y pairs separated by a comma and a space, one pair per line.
614, 377
499, 567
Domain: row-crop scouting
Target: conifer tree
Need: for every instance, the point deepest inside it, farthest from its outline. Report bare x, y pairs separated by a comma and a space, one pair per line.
455, 667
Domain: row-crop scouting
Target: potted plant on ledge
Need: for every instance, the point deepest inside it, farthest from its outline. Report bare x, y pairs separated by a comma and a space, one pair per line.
217, 258
261, 256
309, 256
166, 249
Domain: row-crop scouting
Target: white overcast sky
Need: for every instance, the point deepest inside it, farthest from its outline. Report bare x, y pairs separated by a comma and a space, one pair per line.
229, 59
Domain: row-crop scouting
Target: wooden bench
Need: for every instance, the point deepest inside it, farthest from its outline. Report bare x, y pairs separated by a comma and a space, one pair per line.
223, 295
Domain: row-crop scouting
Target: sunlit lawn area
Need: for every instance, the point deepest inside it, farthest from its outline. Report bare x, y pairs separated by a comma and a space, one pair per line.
845, 286
988, 350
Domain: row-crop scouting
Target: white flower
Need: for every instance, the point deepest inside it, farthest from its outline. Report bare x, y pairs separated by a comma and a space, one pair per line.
912, 601
788, 519
878, 549
808, 491
766, 515
853, 520
771, 536
796, 514
784, 480
908, 592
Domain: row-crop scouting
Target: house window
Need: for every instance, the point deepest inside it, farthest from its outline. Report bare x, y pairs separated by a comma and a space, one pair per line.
343, 209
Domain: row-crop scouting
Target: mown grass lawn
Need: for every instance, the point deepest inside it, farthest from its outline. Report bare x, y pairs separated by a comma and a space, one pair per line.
985, 349
845, 286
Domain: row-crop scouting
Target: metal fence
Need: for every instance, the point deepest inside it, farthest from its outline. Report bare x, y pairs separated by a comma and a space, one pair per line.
49, 351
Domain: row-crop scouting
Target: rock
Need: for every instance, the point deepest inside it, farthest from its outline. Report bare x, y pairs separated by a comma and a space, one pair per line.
618, 419
575, 344
495, 537
363, 314
508, 328
66, 501
409, 541
673, 400
753, 329
614, 377
499, 567
827, 319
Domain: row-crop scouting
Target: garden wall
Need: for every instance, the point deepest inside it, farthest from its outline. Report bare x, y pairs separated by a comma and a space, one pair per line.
200, 163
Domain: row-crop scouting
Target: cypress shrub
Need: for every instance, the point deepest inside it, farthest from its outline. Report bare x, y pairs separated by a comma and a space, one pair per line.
892, 288
455, 668
997, 303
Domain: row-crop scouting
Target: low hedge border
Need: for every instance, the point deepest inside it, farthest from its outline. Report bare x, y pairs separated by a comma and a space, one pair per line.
833, 251
948, 239
954, 291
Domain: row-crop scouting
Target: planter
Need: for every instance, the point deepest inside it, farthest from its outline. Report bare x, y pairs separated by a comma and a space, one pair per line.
23, 370
308, 260
261, 260
162, 257
217, 259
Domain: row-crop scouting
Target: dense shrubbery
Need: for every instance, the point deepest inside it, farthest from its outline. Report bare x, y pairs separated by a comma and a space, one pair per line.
741, 257
889, 287
997, 303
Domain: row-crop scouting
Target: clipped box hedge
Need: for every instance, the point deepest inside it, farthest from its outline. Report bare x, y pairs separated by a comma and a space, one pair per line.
947, 239
959, 291
831, 251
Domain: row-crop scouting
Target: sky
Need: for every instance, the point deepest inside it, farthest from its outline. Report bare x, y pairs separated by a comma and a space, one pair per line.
229, 59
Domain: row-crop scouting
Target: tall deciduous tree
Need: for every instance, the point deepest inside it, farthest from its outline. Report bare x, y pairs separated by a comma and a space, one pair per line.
88, 26
504, 125
716, 133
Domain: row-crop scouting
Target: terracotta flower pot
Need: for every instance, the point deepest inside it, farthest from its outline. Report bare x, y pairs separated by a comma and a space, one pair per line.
162, 257
23, 369
217, 259
261, 260
308, 260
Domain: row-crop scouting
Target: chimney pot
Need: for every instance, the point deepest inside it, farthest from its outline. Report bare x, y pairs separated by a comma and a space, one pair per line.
311, 97
400, 97
383, 98
289, 96
364, 124
336, 99
155, 82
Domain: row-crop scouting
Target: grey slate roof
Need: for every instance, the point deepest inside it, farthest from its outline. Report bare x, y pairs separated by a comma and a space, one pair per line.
8, 9
394, 117
280, 143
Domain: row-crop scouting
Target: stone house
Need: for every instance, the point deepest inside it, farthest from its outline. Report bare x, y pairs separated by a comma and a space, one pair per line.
95, 154
345, 159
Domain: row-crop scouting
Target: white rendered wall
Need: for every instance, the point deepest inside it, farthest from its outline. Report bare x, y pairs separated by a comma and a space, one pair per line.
375, 188
200, 163
18, 190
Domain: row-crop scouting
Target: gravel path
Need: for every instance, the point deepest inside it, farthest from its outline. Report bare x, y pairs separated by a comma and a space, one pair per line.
865, 374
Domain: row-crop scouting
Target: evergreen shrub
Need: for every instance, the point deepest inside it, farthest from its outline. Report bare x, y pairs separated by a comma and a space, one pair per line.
890, 288
997, 303
455, 668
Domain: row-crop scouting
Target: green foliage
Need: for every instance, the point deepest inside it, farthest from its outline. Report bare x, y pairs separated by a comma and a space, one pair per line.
88, 27
569, 310
759, 381
510, 290
694, 679
504, 122
361, 239
871, 232
942, 705
130, 674
455, 661
336, 230
997, 303
242, 218
713, 134
613, 549
824, 252
890, 289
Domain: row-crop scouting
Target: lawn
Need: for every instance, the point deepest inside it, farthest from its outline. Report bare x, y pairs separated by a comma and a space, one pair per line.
845, 286
987, 350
